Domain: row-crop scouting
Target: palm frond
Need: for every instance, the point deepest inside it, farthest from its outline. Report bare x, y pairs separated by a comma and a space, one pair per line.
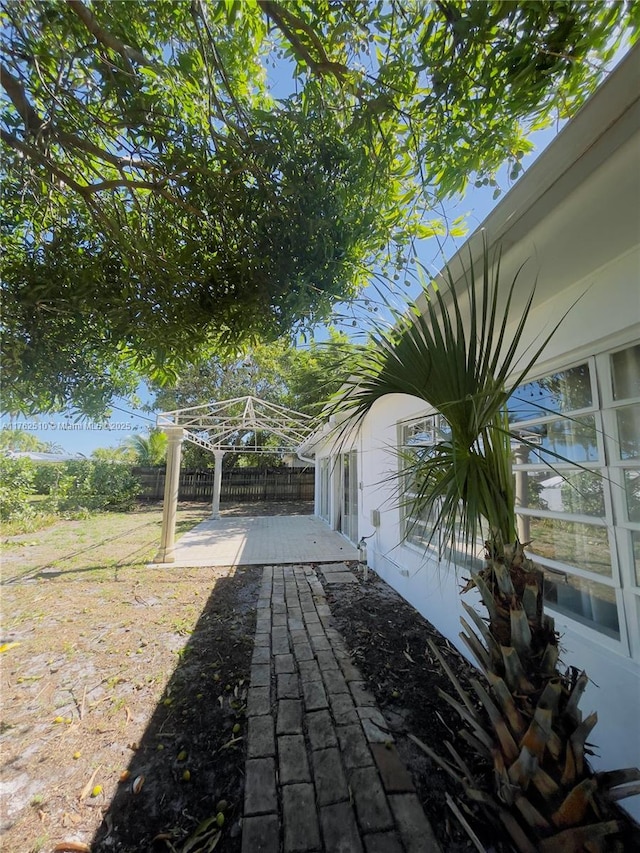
457, 355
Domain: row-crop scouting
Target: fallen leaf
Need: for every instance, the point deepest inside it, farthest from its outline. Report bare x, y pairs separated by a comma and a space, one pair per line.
205, 838
72, 847
232, 742
89, 786
408, 657
6, 646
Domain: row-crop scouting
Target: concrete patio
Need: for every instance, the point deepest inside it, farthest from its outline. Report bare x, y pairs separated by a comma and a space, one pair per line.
251, 541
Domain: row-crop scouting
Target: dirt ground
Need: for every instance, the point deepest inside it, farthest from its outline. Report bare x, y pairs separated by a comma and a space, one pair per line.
123, 697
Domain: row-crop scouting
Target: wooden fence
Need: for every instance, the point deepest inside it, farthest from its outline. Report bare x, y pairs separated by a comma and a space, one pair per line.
238, 484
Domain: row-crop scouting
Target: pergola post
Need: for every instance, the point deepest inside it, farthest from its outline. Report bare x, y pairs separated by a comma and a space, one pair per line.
217, 484
166, 554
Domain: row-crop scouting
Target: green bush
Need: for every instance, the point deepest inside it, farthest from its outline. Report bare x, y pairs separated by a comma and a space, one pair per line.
91, 485
16, 486
47, 477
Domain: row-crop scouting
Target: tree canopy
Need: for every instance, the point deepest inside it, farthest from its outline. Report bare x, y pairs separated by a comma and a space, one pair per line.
182, 178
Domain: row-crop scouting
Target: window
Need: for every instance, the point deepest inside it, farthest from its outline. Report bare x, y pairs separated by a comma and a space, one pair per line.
349, 496
578, 484
577, 477
416, 437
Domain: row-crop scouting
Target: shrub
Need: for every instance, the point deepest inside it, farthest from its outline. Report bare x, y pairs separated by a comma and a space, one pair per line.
16, 485
47, 477
91, 485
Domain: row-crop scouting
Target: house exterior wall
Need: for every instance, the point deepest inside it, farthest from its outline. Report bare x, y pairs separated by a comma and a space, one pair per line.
583, 238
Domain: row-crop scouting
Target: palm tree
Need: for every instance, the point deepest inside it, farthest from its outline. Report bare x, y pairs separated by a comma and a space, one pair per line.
527, 723
150, 450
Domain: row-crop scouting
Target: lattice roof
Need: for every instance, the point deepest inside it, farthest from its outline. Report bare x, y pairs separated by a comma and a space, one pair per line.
240, 425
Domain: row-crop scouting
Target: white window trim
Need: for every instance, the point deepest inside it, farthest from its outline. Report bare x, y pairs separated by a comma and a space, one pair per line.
623, 577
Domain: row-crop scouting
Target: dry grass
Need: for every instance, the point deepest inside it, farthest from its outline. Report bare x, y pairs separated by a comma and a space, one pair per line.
102, 544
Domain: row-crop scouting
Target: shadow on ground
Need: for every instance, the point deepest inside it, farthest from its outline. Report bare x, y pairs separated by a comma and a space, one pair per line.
255, 509
190, 758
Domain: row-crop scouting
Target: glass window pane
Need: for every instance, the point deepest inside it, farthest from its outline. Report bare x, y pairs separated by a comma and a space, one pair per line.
324, 489
353, 495
565, 391
635, 539
426, 431
583, 545
577, 492
632, 488
586, 601
625, 372
575, 440
629, 431
420, 531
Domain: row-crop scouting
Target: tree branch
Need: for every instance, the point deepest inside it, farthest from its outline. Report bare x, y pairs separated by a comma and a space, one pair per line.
285, 21
117, 183
12, 86
106, 38
87, 190
34, 124
39, 157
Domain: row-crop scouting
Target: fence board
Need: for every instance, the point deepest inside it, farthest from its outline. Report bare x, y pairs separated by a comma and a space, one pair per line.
238, 484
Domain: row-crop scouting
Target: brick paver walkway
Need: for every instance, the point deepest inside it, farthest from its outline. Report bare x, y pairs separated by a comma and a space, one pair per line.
322, 770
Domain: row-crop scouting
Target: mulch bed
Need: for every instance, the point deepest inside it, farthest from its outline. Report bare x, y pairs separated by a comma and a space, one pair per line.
387, 639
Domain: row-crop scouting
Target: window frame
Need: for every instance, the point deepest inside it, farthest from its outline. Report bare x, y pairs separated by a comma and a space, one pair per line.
615, 519
624, 581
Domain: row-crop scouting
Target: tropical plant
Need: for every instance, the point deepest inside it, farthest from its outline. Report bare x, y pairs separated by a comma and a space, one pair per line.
150, 450
16, 487
94, 486
461, 355
21, 441
119, 453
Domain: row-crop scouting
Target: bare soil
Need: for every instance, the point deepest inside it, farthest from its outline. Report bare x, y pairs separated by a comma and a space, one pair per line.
123, 699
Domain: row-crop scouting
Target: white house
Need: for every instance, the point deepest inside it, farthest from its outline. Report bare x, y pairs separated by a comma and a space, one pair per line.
575, 217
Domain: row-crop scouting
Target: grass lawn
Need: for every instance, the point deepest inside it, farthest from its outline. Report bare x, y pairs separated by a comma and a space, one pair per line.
103, 544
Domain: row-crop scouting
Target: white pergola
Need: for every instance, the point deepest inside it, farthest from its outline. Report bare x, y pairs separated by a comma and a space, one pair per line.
239, 425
